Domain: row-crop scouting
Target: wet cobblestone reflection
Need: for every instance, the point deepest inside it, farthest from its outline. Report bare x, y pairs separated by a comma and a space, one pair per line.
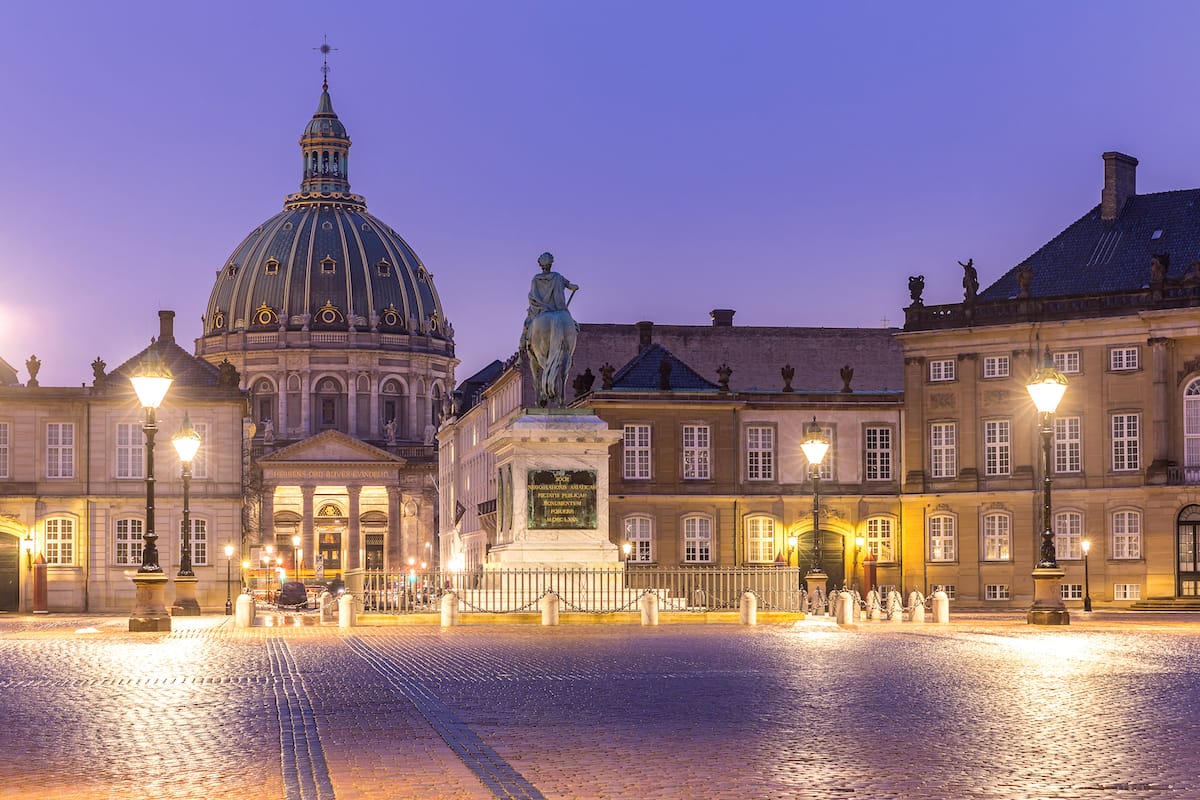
986, 707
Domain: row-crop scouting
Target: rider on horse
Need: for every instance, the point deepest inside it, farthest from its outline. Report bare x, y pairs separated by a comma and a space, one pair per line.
546, 293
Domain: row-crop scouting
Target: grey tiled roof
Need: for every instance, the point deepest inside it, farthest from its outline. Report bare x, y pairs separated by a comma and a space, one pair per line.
1095, 256
643, 372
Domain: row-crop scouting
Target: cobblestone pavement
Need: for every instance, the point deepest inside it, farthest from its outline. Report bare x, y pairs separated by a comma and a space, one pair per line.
986, 707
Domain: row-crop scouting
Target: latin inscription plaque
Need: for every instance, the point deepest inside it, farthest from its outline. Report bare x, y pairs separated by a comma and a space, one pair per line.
562, 498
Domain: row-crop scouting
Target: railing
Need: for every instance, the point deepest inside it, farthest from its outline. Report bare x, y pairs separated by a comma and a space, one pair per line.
326, 337
509, 591
1183, 476
262, 338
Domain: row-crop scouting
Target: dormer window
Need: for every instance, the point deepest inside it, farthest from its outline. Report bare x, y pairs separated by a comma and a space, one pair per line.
233, 270
328, 266
271, 267
326, 225
383, 268
422, 274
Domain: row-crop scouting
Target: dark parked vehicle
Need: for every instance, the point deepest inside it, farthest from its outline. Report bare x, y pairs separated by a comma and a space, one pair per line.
293, 595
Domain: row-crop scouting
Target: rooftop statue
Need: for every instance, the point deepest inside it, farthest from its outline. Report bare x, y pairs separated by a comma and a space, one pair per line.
548, 337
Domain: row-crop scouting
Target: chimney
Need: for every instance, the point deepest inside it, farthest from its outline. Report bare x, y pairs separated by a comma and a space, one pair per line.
1120, 183
166, 327
644, 329
722, 317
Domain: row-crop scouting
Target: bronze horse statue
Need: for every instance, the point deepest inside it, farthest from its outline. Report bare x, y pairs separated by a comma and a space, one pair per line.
552, 336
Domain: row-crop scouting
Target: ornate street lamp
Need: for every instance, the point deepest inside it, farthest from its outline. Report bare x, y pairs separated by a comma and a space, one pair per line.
150, 381
1087, 583
187, 444
1046, 388
815, 445
228, 579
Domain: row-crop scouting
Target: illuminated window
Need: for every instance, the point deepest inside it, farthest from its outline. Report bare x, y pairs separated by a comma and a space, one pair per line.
639, 534
128, 541
997, 537
697, 540
1068, 535
696, 452
760, 540
1127, 534
943, 542
1125, 455
60, 541
881, 539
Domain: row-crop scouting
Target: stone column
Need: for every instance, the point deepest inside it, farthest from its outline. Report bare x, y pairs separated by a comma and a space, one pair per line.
266, 516
351, 403
354, 548
393, 559
305, 405
373, 408
281, 427
307, 523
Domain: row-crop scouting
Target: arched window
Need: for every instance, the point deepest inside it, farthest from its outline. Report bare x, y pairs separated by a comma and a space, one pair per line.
1127, 534
1191, 424
328, 396
997, 537
639, 532
264, 394
127, 541
943, 538
697, 540
1068, 535
881, 538
760, 540
394, 408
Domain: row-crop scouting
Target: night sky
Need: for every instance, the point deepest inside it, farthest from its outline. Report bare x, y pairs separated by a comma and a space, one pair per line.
794, 161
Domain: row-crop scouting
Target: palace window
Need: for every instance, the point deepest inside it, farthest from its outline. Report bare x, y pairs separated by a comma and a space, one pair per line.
1191, 424
1127, 534
997, 537
1127, 591
60, 541
943, 542
131, 451
637, 452
995, 367
881, 539
760, 453
760, 540
1072, 591
1125, 455
943, 449
1123, 358
1068, 535
696, 452
1066, 445
878, 442
942, 370
1066, 361
697, 540
60, 450
128, 541
199, 540
639, 533
995, 591
996, 455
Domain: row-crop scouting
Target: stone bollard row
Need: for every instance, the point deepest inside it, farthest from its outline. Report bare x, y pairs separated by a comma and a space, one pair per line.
649, 605
449, 609
244, 612
749, 609
549, 603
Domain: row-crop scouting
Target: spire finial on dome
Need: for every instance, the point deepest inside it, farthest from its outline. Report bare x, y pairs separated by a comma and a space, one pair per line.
325, 51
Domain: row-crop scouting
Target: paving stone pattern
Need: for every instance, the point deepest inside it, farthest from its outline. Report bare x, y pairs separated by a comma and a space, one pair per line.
986, 707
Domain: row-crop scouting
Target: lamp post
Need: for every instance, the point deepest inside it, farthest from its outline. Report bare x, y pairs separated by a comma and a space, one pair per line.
27, 546
187, 444
1046, 388
150, 381
1087, 584
815, 444
858, 546
228, 580
626, 549
793, 544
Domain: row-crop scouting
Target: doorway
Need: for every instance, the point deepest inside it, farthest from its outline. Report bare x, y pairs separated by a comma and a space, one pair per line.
833, 557
1187, 552
10, 573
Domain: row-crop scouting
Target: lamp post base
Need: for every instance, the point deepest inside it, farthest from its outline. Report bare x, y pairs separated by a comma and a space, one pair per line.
185, 604
149, 605
1048, 607
816, 580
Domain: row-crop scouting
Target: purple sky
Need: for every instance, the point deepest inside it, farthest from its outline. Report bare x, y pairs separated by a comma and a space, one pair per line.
794, 161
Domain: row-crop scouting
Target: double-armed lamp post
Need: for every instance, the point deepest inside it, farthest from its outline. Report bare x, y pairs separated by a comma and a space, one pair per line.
815, 445
150, 381
1047, 387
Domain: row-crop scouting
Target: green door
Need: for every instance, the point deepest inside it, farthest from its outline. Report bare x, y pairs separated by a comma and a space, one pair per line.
10, 573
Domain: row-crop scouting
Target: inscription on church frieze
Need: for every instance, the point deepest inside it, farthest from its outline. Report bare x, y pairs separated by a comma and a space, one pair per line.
562, 498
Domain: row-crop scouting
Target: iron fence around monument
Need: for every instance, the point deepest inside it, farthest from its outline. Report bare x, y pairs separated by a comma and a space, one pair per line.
511, 591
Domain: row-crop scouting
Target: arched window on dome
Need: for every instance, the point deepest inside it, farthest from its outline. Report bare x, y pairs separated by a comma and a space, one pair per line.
394, 407
330, 405
435, 406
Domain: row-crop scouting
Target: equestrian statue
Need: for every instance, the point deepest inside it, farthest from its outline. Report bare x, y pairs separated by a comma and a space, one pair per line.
548, 337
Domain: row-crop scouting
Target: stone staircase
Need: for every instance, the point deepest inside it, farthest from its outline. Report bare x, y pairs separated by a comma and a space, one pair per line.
1167, 604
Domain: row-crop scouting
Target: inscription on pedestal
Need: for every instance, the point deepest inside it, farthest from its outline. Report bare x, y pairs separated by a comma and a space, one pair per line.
562, 499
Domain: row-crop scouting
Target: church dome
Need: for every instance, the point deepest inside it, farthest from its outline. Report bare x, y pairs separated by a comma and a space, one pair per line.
324, 262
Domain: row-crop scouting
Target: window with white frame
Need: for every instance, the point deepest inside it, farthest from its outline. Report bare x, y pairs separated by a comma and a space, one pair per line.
200, 462
996, 591
1127, 534
995, 366
199, 541
1066, 361
1066, 445
1125, 455
943, 543
697, 540
760, 540
997, 537
60, 450
948, 588
637, 452
996, 447
881, 539
1068, 535
128, 541
941, 370
1072, 591
3, 449
943, 449
1191, 424
1123, 358
130, 451
760, 453
878, 444
1127, 591
60, 540
697, 448
639, 534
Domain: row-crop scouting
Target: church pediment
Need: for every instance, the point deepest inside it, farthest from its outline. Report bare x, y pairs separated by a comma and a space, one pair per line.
331, 447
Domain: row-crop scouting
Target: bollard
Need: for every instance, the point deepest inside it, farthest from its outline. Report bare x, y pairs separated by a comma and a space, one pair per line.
346, 611
449, 609
918, 613
549, 604
895, 608
941, 607
749, 609
328, 607
845, 609
244, 617
649, 604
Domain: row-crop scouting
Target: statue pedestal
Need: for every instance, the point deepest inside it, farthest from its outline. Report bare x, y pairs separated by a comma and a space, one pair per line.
1048, 607
149, 605
186, 604
552, 491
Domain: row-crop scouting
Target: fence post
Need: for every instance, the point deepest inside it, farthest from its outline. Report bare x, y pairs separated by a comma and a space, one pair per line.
749, 609
346, 611
941, 607
549, 604
649, 604
449, 609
